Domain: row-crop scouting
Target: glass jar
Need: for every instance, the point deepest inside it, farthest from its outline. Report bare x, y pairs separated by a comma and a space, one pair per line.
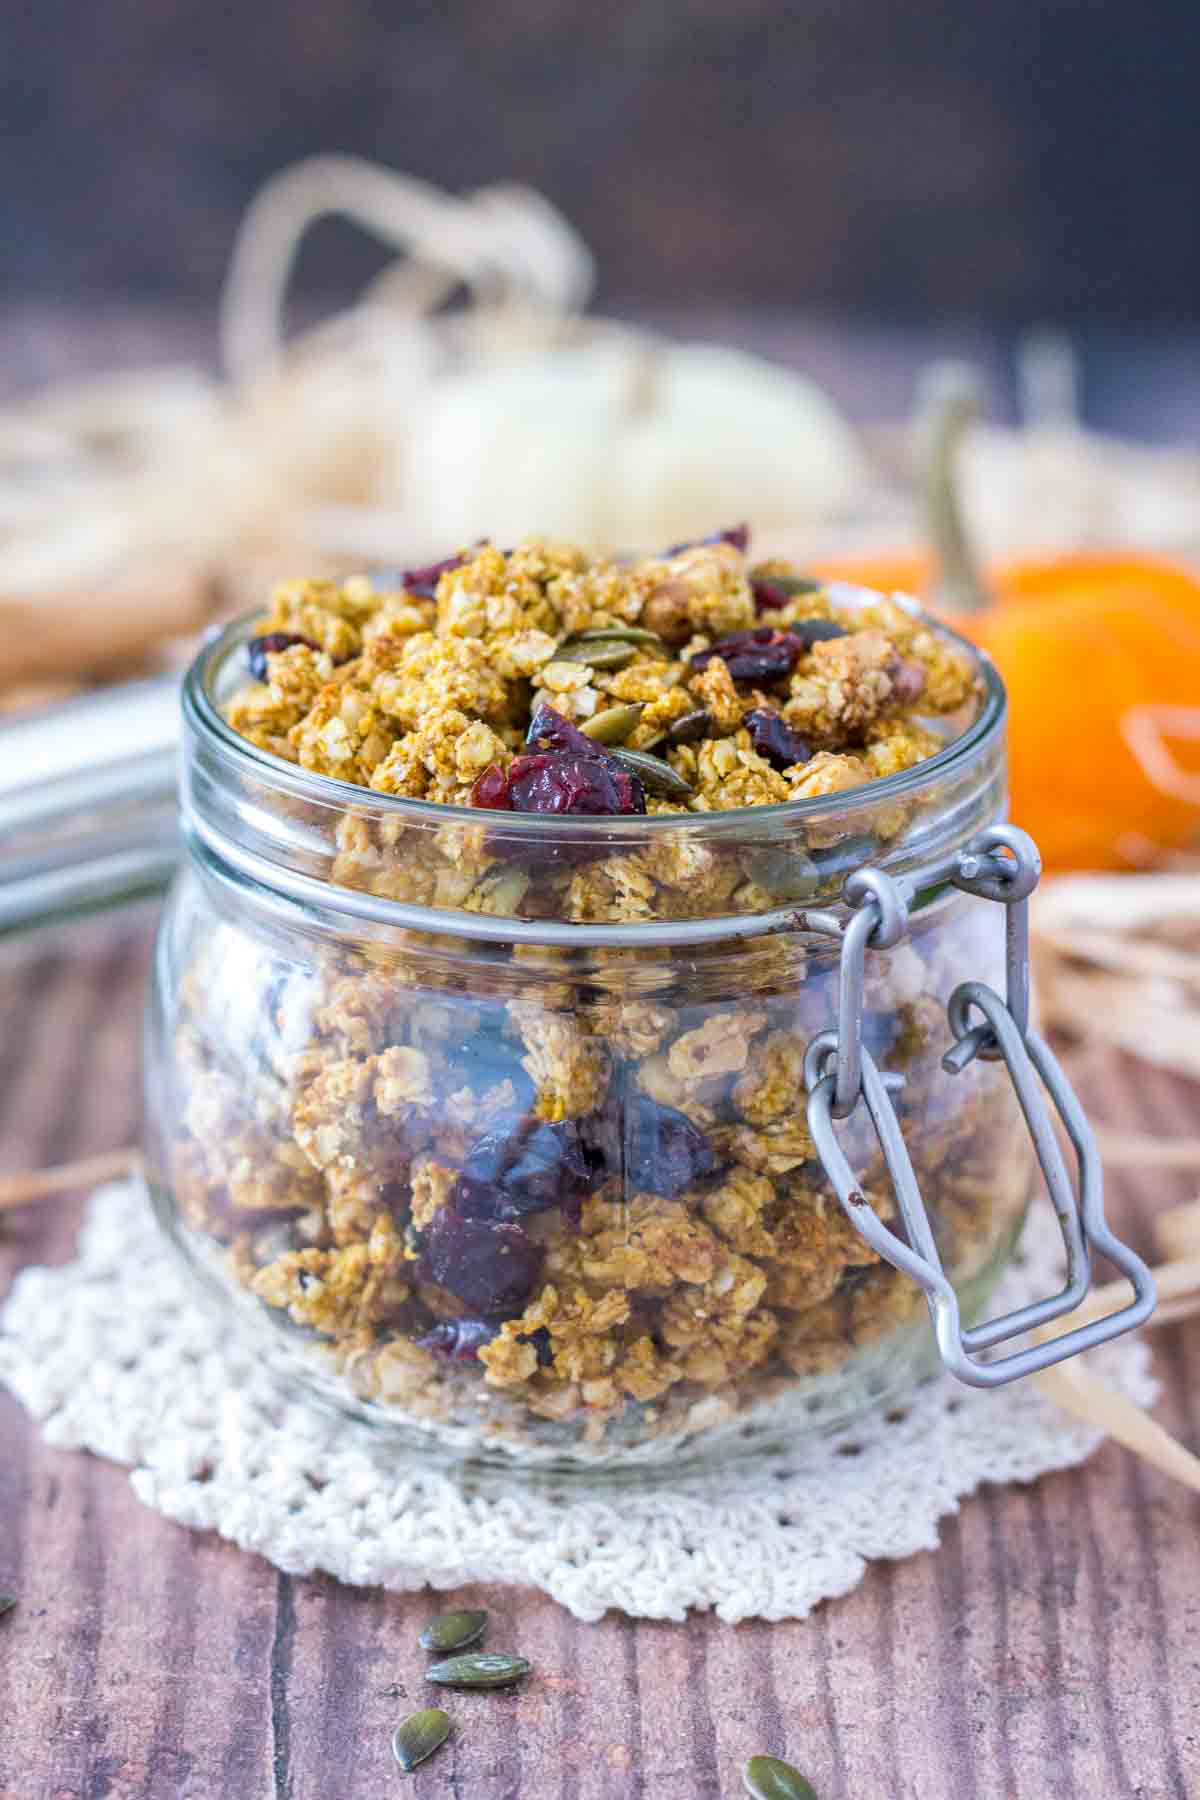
494, 1127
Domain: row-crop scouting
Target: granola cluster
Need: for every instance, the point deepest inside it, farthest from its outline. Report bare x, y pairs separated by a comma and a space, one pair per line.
568, 1197
576, 1205
545, 681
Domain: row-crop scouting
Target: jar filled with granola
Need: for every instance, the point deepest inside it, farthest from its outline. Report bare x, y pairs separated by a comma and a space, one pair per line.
577, 1036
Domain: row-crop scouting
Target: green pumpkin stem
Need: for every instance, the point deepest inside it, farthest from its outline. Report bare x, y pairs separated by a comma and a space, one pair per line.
947, 405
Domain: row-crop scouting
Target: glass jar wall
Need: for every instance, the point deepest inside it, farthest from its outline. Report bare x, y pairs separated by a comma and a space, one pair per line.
495, 1129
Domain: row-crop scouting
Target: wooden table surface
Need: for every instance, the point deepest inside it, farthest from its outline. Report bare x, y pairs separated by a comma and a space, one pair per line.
1051, 1647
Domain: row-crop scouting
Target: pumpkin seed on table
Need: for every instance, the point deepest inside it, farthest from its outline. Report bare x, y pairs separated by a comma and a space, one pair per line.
7, 1602
655, 775
418, 1736
454, 1630
614, 724
479, 1669
766, 1778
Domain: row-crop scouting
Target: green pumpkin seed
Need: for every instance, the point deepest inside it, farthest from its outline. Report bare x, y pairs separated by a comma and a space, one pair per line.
453, 1631
794, 584
839, 859
417, 1737
689, 728
789, 874
479, 1669
655, 775
614, 724
7, 1602
602, 653
766, 1778
624, 634
499, 892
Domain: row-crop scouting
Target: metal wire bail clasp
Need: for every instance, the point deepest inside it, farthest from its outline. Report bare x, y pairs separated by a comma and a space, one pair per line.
1002, 864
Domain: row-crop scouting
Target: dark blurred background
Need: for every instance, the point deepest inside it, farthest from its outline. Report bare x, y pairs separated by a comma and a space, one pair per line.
1008, 159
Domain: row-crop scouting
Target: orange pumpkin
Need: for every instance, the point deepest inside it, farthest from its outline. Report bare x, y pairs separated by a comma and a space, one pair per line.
1083, 641
913, 572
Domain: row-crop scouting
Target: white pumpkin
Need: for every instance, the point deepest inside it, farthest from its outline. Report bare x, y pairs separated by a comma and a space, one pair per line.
624, 442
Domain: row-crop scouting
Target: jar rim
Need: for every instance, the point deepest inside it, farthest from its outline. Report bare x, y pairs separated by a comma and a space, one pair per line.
202, 712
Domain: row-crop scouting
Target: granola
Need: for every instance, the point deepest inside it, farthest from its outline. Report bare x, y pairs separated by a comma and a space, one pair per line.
569, 1197
480, 692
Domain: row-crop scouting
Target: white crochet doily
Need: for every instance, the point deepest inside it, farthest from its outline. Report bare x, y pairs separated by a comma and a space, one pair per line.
116, 1354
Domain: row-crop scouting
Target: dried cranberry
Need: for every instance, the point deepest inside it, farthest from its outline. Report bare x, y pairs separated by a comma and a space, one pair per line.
491, 789
494, 1268
908, 680
737, 535
816, 631
560, 781
259, 648
458, 1340
655, 1149
667, 1153
775, 739
423, 581
758, 655
564, 772
629, 787
549, 730
776, 590
511, 1173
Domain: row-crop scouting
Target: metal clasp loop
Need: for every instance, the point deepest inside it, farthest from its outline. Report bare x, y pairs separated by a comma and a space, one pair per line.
1016, 1053
880, 919
983, 869
1002, 864
919, 1257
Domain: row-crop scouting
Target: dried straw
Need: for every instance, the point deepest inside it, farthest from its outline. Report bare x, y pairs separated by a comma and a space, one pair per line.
35, 1185
1118, 963
1138, 1150
133, 508
1072, 1386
